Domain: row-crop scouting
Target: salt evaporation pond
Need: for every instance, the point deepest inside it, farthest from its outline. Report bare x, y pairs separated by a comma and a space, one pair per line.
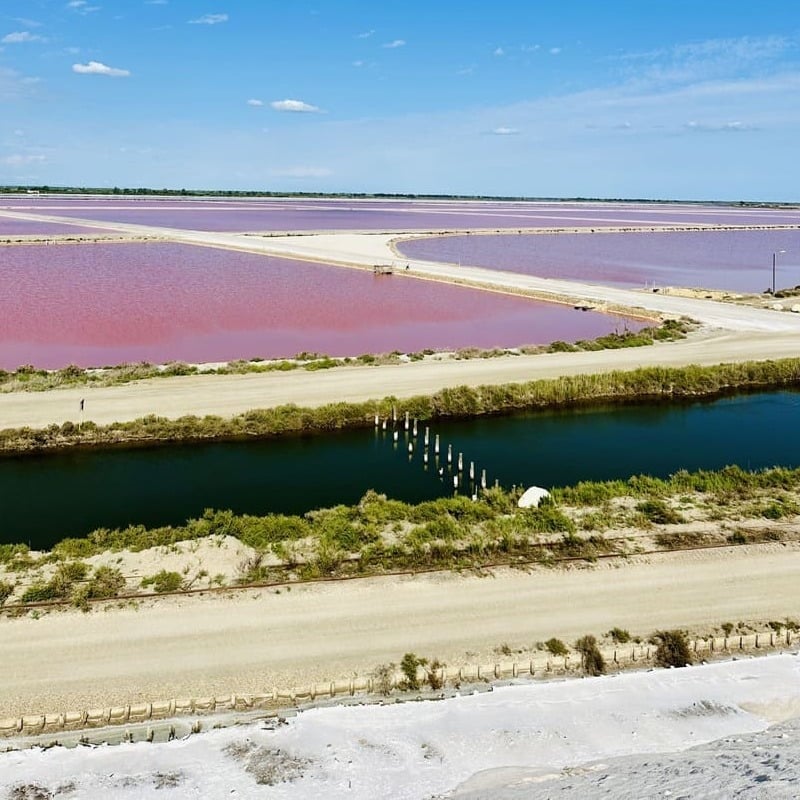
698, 732
10, 226
101, 304
290, 214
735, 260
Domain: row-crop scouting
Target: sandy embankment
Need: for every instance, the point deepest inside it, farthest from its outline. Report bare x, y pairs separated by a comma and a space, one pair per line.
250, 641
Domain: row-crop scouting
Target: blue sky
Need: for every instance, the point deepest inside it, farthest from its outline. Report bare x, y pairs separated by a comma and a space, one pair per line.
652, 99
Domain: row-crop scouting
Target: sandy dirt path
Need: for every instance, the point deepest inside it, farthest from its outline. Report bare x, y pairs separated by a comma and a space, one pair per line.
250, 641
226, 395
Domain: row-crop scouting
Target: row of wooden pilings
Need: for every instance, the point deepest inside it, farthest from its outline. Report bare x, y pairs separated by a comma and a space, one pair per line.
541, 665
450, 466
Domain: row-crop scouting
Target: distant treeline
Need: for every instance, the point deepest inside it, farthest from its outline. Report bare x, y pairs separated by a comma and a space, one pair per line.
151, 192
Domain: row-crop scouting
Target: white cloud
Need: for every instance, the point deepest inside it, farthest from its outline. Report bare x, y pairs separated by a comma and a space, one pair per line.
296, 106
18, 37
505, 131
73, 51
554, 51
365, 35
254, 102
395, 43
302, 172
155, 2
98, 68
82, 6
725, 127
28, 23
358, 63
209, 19
18, 160
499, 52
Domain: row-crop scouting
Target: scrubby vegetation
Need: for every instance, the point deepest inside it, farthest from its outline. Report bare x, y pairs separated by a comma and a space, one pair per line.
458, 402
29, 378
672, 649
378, 535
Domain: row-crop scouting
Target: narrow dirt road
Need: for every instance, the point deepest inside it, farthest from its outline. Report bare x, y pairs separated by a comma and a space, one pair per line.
249, 641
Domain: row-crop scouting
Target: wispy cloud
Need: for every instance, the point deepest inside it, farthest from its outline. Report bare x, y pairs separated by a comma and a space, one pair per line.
554, 51
82, 6
396, 43
295, 106
358, 63
98, 68
302, 172
254, 102
18, 160
734, 126
28, 23
209, 19
502, 131
498, 51
365, 35
19, 37
706, 60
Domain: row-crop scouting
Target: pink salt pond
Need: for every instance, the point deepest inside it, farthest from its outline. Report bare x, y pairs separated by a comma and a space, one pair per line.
103, 304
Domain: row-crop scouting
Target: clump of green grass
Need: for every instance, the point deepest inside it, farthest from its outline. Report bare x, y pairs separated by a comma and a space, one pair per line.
163, 582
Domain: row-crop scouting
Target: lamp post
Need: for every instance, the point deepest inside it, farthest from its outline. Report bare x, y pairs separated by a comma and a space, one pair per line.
774, 259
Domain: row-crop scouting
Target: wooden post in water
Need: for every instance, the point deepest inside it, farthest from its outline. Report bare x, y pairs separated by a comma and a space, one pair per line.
384, 425
377, 420
455, 481
449, 454
427, 436
483, 479
410, 448
472, 470
395, 435
460, 462
425, 457
394, 414
414, 428
405, 423
436, 445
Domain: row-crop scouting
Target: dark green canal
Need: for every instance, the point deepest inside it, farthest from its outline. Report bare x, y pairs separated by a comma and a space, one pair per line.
46, 498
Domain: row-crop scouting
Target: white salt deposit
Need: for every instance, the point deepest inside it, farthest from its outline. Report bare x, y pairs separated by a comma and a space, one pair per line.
618, 736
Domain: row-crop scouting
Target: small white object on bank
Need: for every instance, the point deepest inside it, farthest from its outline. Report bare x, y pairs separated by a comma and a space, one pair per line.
532, 497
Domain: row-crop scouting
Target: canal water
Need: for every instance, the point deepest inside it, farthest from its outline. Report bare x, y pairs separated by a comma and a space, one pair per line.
46, 498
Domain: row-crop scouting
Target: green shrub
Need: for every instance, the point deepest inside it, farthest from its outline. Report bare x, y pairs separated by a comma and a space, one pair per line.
592, 662
6, 590
672, 649
619, 635
408, 666
657, 511
556, 647
105, 582
40, 592
164, 581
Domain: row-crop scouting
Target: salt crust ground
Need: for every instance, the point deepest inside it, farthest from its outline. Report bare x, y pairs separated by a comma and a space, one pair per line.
629, 736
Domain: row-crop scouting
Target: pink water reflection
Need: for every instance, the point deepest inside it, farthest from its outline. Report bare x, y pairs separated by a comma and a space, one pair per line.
99, 304
733, 260
346, 214
23, 227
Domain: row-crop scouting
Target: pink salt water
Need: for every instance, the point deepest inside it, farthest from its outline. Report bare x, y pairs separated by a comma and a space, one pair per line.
102, 304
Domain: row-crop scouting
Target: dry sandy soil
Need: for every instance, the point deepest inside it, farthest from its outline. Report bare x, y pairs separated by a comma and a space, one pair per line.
249, 641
